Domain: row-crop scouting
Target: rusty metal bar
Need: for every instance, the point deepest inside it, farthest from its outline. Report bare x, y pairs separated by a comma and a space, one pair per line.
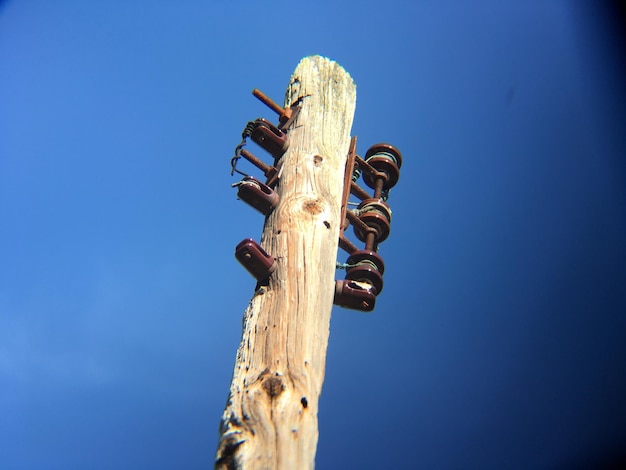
378, 191
347, 245
265, 168
354, 220
370, 241
369, 168
347, 179
267, 101
358, 191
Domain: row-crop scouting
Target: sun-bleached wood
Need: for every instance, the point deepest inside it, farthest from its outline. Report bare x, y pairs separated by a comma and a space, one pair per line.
270, 420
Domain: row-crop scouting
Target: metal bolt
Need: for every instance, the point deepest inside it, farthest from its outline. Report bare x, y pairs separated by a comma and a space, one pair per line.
358, 191
284, 114
256, 162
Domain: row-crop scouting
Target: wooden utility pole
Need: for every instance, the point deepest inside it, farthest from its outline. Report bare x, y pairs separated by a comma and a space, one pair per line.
270, 420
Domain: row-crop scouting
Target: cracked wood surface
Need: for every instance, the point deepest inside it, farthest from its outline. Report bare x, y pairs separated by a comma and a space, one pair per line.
270, 419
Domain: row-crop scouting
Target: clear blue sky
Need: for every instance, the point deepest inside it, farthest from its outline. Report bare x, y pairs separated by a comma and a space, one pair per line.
498, 341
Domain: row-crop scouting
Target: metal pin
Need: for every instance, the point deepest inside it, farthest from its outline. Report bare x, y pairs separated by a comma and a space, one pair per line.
284, 114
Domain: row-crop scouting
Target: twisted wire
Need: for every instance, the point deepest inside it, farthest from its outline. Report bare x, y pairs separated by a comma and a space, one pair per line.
391, 156
364, 262
376, 208
247, 132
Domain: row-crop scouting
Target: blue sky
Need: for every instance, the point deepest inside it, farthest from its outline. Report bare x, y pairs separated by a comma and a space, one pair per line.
498, 341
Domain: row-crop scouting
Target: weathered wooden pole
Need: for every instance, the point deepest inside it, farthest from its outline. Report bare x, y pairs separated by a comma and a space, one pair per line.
270, 420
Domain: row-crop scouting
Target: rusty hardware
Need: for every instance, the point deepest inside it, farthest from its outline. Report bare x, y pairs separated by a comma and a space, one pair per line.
358, 191
344, 243
267, 136
366, 266
366, 233
270, 137
354, 295
284, 114
255, 259
376, 215
371, 221
367, 257
271, 172
366, 274
247, 132
258, 195
382, 162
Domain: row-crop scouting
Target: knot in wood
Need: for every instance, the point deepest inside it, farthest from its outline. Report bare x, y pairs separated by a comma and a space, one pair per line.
273, 386
313, 207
